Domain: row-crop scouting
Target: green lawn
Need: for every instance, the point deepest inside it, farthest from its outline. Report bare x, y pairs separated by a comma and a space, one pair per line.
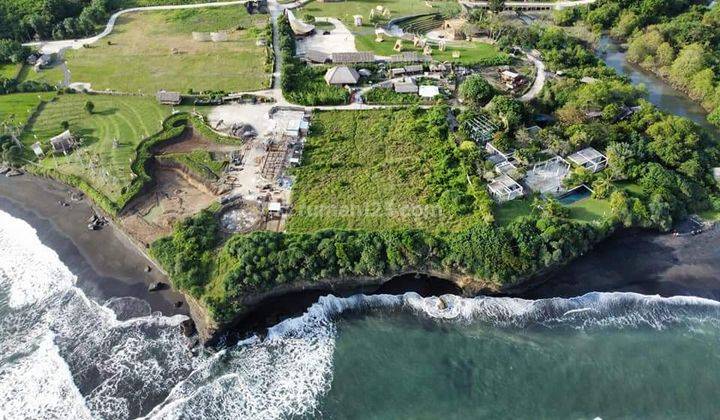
345, 10
587, 210
15, 109
125, 118
368, 170
52, 76
470, 52
150, 51
9, 71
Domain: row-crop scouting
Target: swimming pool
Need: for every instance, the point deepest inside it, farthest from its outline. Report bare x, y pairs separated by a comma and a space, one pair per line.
576, 194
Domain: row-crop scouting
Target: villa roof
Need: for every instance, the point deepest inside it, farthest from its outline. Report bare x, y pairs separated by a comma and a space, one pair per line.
316, 56
341, 75
406, 87
172, 98
428, 91
353, 57
63, 141
415, 68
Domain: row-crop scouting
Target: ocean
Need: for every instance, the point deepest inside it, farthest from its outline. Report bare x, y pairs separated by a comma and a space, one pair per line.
601, 355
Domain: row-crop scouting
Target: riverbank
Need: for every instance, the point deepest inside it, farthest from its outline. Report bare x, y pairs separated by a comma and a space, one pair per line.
106, 263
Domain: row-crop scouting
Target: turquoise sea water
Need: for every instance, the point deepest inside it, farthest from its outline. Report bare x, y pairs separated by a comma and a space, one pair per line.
399, 366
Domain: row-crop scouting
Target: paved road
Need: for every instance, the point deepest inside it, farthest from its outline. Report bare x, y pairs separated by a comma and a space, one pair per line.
49, 47
539, 82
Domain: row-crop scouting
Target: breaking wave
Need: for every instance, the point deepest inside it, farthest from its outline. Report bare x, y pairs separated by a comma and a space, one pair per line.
65, 356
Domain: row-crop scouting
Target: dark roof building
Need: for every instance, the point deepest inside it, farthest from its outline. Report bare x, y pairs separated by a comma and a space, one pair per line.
168, 98
352, 57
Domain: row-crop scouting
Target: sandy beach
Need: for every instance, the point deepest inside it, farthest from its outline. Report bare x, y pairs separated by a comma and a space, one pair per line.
641, 262
106, 264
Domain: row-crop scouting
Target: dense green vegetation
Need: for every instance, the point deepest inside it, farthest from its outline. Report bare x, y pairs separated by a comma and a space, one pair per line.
388, 96
25, 20
675, 40
263, 260
300, 83
384, 169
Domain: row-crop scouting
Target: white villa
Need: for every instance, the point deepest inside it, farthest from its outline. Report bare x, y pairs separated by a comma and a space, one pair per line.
589, 158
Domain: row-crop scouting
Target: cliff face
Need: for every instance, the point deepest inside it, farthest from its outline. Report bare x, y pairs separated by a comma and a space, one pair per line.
265, 309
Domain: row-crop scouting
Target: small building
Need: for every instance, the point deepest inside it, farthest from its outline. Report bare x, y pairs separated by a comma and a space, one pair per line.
397, 72
511, 79
315, 56
503, 188
43, 61
274, 207
353, 57
37, 149
407, 86
438, 68
405, 57
414, 69
168, 98
589, 158
428, 91
63, 142
341, 75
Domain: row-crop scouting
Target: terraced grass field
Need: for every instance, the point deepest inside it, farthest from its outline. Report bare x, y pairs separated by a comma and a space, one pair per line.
15, 109
149, 51
9, 71
125, 118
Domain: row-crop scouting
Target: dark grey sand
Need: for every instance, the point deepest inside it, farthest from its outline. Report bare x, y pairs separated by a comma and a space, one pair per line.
106, 264
641, 262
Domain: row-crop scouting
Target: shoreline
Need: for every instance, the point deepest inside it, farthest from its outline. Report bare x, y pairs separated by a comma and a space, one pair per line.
106, 262
628, 261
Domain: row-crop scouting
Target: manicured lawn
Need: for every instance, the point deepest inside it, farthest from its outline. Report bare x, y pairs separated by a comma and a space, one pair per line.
470, 52
15, 109
125, 118
587, 210
368, 170
590, 210
507, 212
149, 51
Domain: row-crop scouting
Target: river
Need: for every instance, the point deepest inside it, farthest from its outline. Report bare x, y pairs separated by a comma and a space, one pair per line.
660, 93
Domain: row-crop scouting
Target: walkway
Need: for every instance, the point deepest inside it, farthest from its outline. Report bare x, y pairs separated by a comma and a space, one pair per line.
50, 47
539, 82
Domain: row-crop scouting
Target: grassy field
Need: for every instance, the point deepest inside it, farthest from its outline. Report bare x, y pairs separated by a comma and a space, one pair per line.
9, 71
470, 52
201, 163
52, 76
345, 10
138, 55
368, 170
15, 109
127, 119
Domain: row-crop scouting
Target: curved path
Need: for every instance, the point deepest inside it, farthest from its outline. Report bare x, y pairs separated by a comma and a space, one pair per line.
539, 82
49, 47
